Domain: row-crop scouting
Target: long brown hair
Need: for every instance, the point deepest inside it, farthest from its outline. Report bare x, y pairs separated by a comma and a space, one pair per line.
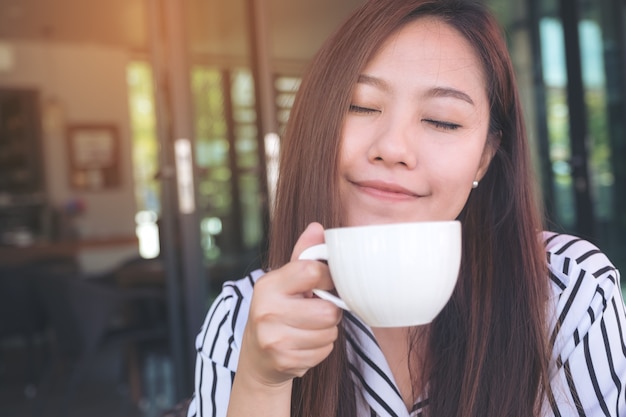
486, 353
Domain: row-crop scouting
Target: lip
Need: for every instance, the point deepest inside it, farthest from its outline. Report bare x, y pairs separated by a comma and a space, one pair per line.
386, 190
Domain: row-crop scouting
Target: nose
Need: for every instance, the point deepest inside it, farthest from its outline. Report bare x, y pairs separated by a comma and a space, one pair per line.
395, 144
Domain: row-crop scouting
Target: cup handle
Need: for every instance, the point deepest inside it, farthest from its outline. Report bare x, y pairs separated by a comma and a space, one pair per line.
315, 253
325, 295
320, 253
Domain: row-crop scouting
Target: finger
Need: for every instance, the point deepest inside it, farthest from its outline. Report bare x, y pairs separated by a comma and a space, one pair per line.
325, 281
309, 340
313, 314
297, 278
312, 235
283, 343
288, 292
298, 362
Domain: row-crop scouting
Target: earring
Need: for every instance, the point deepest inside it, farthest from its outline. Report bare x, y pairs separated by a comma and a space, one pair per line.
474, 184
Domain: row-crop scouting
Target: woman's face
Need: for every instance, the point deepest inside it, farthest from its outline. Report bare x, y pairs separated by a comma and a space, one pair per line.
415, 136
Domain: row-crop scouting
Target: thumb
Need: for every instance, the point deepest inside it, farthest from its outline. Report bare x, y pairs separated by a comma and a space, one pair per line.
312, 235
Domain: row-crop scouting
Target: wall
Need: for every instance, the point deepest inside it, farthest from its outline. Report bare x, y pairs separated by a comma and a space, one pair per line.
80, 83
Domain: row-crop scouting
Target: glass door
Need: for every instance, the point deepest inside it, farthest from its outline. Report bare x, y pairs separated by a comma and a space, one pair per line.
601, 34
231, 193
569, 59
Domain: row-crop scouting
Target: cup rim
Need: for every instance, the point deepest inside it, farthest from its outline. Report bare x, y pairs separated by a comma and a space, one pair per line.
396, 225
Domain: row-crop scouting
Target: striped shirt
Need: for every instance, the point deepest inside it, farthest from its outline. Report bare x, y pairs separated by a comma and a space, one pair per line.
588, 339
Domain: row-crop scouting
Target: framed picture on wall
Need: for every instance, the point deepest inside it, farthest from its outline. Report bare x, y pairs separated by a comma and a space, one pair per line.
94, 156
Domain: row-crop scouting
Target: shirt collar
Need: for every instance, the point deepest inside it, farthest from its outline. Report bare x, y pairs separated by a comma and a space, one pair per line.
370, 370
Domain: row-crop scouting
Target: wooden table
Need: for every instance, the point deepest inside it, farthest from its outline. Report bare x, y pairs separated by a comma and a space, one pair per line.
15, 256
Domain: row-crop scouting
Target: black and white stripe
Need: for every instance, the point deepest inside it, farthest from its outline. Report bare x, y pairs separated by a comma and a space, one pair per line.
217, 347
587, 334
589, 349
371, 373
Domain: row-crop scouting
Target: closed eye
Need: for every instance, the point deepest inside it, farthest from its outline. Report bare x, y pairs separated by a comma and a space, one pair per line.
359, 109
442, 125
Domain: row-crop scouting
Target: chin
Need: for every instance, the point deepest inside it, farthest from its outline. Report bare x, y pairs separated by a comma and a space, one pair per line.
365, 220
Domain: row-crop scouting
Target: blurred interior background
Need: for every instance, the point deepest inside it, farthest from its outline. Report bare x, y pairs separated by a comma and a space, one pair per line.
138, 144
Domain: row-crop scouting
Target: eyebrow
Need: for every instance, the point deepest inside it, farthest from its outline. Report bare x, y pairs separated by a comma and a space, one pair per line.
374, 82
450, 92
433, 92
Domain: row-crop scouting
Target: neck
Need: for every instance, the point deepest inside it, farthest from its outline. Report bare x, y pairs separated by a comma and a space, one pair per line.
402, 349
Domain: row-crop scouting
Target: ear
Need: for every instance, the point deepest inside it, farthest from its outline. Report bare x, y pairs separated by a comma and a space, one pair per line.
491, 147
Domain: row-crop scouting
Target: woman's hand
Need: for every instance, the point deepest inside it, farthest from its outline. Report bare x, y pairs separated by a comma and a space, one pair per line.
289, 331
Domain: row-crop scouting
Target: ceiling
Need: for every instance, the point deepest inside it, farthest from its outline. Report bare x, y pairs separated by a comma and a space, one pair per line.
110, 22
214, 27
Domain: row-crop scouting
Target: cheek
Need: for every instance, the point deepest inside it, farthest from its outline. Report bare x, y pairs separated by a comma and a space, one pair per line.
348, 150
462, 164
457, 188
453, 184
344, 158
454, 167
452, 202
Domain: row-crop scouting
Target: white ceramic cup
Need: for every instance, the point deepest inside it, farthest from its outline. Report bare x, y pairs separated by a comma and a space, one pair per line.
391, 275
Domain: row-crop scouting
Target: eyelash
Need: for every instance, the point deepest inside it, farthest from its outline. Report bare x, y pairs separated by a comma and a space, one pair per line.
436, 123
443, 125
359, 109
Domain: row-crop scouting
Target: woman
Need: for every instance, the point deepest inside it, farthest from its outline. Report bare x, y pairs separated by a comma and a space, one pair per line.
410, 113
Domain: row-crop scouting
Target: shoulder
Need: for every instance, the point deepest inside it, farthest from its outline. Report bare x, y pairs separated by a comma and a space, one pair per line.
587, 328
223, 327
584, 281
570, 257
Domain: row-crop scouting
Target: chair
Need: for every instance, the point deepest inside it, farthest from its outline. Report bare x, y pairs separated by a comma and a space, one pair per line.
22, 319
179, 410
84, 315
22, 314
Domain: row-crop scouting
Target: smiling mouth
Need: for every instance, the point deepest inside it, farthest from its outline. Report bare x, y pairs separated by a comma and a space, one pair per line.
385, 190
